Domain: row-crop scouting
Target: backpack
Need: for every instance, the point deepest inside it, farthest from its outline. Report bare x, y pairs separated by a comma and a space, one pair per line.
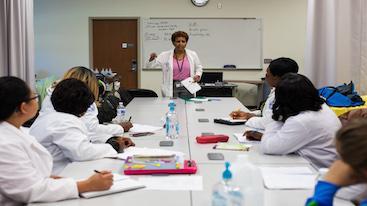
341, 96
107, 109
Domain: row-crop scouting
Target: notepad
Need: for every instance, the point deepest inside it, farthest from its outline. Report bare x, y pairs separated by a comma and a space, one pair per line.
242, 139
233, 120
231, 146
288, 177
144, 128
121, 183
191, 85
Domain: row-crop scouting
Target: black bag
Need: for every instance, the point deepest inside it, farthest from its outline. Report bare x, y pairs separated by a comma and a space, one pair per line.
107, 109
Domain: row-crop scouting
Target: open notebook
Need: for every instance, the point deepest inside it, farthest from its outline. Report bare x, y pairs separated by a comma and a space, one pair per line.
121, 183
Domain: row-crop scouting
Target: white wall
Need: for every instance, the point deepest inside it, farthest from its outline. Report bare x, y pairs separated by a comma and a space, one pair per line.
62, 29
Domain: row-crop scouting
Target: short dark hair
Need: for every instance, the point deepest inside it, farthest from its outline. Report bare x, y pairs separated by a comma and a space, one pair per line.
13, 91
179, 34
295, 93
72, 96
283, 65
351, 143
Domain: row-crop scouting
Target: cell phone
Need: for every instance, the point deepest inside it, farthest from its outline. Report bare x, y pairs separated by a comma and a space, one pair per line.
215, 156
203, 120
166, 143
140, 134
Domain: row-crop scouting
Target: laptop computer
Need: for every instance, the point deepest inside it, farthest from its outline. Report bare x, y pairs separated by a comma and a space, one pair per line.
211, 77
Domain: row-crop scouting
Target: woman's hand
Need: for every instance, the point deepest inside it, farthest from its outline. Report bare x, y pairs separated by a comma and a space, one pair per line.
152, 56
196, 78
97, 182
126, 125
253, 135
241, 115
342, 174
125, 142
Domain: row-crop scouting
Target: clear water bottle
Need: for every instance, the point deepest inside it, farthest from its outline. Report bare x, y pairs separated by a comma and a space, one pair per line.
226, 193
172, 125
120, 113
249, 178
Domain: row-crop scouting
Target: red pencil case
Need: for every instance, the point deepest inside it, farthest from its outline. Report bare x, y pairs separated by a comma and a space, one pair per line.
212, 139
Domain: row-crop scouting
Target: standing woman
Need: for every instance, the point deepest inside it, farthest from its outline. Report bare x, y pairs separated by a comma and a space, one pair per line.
25, 165
177, 65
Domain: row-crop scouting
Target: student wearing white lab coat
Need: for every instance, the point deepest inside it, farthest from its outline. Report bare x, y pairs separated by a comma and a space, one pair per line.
177, 65
25, 166
277, 68
63, 133
98, 133
302, 123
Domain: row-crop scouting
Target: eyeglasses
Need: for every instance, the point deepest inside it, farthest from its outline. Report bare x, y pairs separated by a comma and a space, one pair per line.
33, 98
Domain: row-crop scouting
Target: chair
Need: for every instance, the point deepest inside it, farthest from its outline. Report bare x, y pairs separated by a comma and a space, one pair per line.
142, 93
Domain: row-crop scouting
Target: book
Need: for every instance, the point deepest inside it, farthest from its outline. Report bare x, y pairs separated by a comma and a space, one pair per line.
121, 183
231, 146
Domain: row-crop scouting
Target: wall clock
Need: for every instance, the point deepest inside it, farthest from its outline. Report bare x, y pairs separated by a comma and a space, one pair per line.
199, 3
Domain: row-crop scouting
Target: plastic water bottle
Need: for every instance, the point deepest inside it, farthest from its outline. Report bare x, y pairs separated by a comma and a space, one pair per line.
226, 193
172, 125
120, 113
249, 178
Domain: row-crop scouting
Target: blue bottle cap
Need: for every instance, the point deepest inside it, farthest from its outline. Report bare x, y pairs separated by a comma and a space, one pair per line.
227, 174
171, 105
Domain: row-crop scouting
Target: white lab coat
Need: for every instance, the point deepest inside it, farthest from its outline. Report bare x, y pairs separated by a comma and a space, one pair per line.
65, 137
165, 61
267, 113
98, 133
25, 169
310, 134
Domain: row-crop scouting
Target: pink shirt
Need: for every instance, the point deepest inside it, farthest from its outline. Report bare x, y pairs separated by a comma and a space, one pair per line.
181, 69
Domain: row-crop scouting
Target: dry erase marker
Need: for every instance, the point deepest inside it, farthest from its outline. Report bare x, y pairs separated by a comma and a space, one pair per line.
96, 171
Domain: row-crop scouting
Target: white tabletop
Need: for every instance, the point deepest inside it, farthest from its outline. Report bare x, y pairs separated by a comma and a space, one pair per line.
151, 111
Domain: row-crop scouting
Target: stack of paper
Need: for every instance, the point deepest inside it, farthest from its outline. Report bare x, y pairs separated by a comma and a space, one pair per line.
144, 128
121, 183
288, 177
144, 151
191, 85
242, 139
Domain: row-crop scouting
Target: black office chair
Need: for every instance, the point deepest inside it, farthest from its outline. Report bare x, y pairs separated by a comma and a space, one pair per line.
142, 93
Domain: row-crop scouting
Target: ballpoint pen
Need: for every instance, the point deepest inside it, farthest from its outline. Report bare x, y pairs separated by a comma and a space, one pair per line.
130, 119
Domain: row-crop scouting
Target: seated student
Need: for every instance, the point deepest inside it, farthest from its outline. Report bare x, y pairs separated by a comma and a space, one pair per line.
63, 133
351, 144
98, 133
351, 115
277, 68
25, 166
301, 123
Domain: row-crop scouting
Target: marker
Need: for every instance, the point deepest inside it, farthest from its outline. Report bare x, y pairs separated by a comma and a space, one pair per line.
130, 119
96, 171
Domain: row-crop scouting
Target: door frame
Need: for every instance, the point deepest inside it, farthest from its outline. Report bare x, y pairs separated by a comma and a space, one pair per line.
90, 22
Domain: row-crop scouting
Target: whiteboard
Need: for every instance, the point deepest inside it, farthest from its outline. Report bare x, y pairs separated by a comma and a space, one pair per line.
217, 41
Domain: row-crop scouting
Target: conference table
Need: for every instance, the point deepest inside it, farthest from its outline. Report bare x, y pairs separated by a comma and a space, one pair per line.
151, 111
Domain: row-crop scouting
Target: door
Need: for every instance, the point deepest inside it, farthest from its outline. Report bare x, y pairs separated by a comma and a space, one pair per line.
114, 45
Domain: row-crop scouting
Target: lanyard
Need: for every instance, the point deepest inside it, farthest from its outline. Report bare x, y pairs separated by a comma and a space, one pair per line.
180, 67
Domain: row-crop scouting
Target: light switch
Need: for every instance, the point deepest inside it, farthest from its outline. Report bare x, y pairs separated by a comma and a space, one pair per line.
124, 45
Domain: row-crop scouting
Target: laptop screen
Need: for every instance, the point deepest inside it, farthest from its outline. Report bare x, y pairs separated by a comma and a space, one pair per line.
211, 77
